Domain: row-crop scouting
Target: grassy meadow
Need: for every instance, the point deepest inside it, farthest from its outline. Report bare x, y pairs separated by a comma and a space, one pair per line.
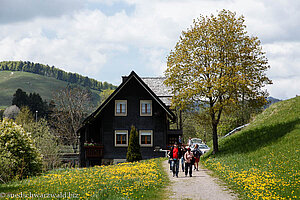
138, 180
263, 160
29, 82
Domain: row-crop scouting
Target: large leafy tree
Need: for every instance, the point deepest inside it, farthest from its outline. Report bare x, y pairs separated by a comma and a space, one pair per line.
216, 64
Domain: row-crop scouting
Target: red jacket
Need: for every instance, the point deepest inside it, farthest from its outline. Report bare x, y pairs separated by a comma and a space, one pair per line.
175, 153
179, 154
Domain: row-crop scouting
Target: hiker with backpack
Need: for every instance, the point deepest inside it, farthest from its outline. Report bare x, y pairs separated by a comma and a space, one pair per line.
197, 153
183, 150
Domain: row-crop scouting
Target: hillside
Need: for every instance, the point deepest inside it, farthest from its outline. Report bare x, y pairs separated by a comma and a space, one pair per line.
45, 70
29, 82
263, 160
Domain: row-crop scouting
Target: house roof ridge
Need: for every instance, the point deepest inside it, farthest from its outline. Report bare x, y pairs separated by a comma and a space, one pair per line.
145, 85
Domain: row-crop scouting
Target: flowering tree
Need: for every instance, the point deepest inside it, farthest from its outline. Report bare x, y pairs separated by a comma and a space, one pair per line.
19, 157
217, 65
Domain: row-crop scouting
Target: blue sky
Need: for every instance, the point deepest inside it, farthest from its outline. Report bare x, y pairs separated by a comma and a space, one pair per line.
106, 39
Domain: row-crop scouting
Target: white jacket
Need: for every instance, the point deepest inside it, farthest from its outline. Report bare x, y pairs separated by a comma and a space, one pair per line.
188, 156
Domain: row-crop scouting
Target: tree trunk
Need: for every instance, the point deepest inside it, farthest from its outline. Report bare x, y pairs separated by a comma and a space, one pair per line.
214, 124
215, 138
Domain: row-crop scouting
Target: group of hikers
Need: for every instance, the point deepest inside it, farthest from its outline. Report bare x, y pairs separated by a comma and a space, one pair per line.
186, 156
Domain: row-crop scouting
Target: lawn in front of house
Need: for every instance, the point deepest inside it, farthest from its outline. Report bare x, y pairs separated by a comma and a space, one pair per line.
138, 180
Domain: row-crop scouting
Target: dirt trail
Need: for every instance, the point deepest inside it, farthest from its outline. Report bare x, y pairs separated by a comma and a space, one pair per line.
199, 187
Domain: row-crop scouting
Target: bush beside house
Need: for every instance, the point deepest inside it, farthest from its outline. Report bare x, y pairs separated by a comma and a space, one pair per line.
18, 154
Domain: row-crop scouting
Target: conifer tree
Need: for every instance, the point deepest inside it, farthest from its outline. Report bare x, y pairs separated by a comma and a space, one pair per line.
134, 153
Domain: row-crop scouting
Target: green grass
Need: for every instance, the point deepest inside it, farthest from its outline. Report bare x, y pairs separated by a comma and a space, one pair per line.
263, 160
139, 180
29, 82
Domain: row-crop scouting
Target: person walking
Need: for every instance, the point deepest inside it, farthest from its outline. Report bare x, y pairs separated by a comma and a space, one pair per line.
197, 153
190, 143
170, 160
188, 157
180, 140
183, 151
175, 155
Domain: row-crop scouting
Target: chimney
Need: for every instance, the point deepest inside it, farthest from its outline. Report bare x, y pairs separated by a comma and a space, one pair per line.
124, 78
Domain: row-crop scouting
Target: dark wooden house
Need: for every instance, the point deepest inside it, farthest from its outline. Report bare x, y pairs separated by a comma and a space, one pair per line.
142, 102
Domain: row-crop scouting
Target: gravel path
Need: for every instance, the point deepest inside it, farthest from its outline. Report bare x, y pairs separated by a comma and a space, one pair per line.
201, 186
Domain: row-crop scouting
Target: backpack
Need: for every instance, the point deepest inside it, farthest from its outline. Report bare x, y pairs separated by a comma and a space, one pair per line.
197, 153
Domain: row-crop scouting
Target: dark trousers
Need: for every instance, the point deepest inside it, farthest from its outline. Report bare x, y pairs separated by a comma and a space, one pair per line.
188, 167
171, 164
175, 167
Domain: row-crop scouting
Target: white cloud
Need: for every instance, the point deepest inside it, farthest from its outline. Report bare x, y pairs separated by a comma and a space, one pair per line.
285, 70
154, 60
284, 59
285, 88
85, 39
77, 46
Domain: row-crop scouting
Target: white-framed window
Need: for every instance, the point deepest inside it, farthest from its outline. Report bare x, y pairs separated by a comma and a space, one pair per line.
121, 138
120, 107
146, 107
146, 138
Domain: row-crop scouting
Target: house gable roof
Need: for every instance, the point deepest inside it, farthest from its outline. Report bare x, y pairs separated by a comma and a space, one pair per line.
153, 84
156, 84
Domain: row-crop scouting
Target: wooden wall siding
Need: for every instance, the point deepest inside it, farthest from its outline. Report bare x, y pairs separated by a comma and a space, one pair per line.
103, 128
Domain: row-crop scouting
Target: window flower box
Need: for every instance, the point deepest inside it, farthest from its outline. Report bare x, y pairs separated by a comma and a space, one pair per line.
93, 151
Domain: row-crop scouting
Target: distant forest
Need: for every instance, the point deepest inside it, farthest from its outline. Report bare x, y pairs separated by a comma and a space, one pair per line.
54, 72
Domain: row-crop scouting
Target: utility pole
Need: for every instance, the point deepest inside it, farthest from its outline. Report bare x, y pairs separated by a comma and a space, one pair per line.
36, 113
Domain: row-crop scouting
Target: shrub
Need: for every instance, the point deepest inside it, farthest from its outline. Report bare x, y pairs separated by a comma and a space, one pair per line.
133, 153
44, 141
7, 163
18, 151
